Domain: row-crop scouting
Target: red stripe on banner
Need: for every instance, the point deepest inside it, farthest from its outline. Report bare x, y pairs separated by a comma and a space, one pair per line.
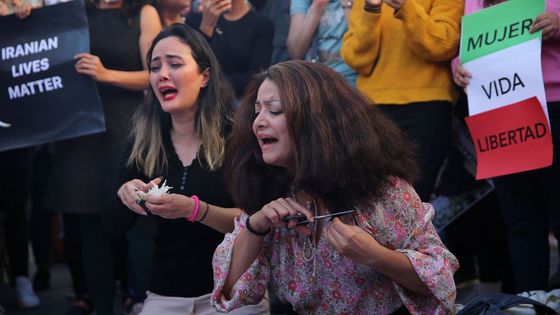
511, 139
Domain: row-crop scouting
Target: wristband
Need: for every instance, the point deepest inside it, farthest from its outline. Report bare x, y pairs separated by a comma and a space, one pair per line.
196, 208
250, 229
205, 213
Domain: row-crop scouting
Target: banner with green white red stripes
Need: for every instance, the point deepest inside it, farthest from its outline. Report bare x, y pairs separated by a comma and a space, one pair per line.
507, 104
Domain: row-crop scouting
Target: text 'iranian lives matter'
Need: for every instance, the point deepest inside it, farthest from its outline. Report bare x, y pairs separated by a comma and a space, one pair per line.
25, 68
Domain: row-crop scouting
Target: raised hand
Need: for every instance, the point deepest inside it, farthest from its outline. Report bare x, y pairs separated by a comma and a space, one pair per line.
352, 242
274, 212
3, 8
462, 76
171, 206
91, 65
548, 23
211, 12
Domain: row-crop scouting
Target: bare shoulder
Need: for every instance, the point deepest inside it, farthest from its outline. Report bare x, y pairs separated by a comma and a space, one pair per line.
149, 12
149, 21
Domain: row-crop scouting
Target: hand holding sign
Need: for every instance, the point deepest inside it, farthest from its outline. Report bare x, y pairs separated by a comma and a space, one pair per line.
22, 10
461, 76
38, 82
92, 66
548, 23
3, 8
506, 96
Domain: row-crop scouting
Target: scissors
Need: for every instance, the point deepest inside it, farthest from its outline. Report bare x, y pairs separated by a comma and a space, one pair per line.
302, 219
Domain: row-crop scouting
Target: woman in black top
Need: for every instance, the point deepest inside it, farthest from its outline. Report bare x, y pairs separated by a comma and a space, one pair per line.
240, 38
179, 134
84, 170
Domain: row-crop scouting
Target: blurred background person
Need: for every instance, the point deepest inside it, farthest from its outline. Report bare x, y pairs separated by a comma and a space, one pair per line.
279, 12
240, 38
316, 30
401, 50
529, 200
15, 169
83, 174
16, 166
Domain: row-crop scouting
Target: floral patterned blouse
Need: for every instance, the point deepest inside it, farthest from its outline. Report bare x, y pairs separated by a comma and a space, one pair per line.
333, 284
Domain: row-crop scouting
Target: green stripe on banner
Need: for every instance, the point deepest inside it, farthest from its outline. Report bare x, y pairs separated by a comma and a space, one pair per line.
498, 27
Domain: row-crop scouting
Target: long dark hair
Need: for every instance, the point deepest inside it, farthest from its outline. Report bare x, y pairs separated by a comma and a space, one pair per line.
213, 115
345, 149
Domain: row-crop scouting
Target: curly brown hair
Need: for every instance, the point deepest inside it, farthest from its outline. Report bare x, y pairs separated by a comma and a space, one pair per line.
345, 149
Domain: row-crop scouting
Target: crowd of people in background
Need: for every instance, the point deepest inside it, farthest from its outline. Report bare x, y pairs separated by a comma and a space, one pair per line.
261, 117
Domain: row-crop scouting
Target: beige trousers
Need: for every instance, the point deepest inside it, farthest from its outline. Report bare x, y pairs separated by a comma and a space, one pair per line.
168, 305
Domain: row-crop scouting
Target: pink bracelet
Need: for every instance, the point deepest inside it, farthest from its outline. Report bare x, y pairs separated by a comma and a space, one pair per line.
194, 213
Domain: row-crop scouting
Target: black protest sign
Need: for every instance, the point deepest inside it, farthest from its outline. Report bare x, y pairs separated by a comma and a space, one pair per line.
42, 97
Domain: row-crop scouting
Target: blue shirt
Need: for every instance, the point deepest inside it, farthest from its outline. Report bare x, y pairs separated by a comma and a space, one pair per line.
327, 41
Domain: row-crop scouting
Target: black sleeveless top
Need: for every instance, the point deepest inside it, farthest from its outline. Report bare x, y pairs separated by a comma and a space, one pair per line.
182, 259
83, 174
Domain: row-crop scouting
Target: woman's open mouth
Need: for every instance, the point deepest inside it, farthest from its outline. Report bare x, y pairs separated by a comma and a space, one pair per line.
167, 92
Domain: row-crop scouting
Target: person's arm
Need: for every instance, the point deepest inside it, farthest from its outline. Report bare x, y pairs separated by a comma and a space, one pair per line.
347, 7
302, 29
432, 35
249, 241
150, 26
92, 65
460, 75
354, 243
246, 248
3, 8
251, 287
361, 43
396, 238
211, 12
174, 206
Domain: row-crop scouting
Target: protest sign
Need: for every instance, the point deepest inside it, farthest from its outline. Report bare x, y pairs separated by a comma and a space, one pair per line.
504, 60
506, 77
498, 27
42, 97
513, 138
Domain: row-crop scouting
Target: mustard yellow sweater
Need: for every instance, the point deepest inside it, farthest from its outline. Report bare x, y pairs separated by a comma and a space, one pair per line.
404, 57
